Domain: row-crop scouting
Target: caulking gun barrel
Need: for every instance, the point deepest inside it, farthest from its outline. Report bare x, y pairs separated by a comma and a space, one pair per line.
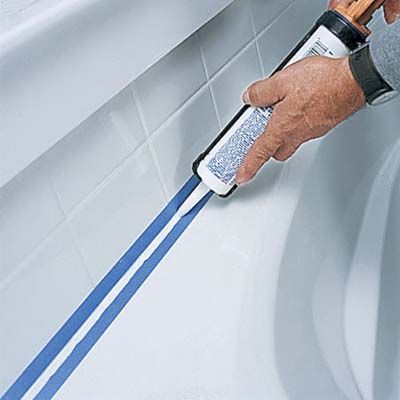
334, 34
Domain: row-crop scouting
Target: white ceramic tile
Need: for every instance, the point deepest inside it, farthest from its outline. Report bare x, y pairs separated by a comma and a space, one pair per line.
229, 84
114, 216
281, 37
265, 11
29, 211
166, 85
92, 151
120, 116
225, 35
46, 290
183, 138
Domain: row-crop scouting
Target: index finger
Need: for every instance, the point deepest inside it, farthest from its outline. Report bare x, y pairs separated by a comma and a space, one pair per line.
261, 151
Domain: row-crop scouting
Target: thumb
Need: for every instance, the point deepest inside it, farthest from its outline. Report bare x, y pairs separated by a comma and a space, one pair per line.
392, 10
266, 92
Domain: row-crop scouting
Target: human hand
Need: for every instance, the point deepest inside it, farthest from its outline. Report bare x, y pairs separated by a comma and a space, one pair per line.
391, 7
309, 97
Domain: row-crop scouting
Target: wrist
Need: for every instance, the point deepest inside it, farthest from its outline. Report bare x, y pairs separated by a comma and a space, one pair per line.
351, 85
376, 90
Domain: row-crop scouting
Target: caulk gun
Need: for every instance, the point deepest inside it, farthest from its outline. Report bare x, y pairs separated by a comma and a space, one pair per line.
335, 34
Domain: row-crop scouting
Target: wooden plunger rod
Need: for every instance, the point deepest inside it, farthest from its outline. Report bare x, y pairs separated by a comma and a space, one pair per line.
360, 12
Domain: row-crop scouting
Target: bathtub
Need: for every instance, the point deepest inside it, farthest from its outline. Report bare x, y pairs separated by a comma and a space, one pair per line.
336, 291
287, 290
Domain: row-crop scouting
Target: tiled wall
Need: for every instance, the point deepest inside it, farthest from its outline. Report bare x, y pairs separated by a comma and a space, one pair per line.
70, 215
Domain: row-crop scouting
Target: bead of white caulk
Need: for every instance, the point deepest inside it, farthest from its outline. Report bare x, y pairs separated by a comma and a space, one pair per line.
197, 194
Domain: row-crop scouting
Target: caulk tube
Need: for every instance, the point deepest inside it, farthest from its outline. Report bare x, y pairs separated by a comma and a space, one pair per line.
332, 36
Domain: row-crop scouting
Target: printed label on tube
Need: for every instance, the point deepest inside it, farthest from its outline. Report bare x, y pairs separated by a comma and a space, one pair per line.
231, 155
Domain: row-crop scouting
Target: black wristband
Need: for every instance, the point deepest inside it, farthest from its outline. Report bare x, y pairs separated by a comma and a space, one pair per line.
367, 75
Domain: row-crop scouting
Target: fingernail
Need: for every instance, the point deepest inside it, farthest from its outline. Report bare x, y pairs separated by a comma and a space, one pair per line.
240, 180
246, 97
393, 18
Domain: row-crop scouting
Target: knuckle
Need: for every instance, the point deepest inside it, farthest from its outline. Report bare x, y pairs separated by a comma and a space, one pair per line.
280, 157
285, 153
262, 152
254, 92
271, 144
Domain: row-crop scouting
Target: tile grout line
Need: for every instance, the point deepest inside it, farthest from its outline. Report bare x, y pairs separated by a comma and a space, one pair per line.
131, 151
147, 141
275, 19
21, 267
232, 58
78, 249
207, 83
158, 169
132, 101
253, 27
229, 61
178, 110
71, 231
203, 60
138, 106
254, 39
74, 210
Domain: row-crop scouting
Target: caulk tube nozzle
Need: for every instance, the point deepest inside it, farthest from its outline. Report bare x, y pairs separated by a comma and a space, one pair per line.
197, 194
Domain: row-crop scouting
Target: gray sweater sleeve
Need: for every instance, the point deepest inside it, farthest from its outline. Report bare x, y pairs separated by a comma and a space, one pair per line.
385, 50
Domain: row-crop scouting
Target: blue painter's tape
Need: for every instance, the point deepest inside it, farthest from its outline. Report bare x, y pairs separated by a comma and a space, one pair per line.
113, 310
83, 312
